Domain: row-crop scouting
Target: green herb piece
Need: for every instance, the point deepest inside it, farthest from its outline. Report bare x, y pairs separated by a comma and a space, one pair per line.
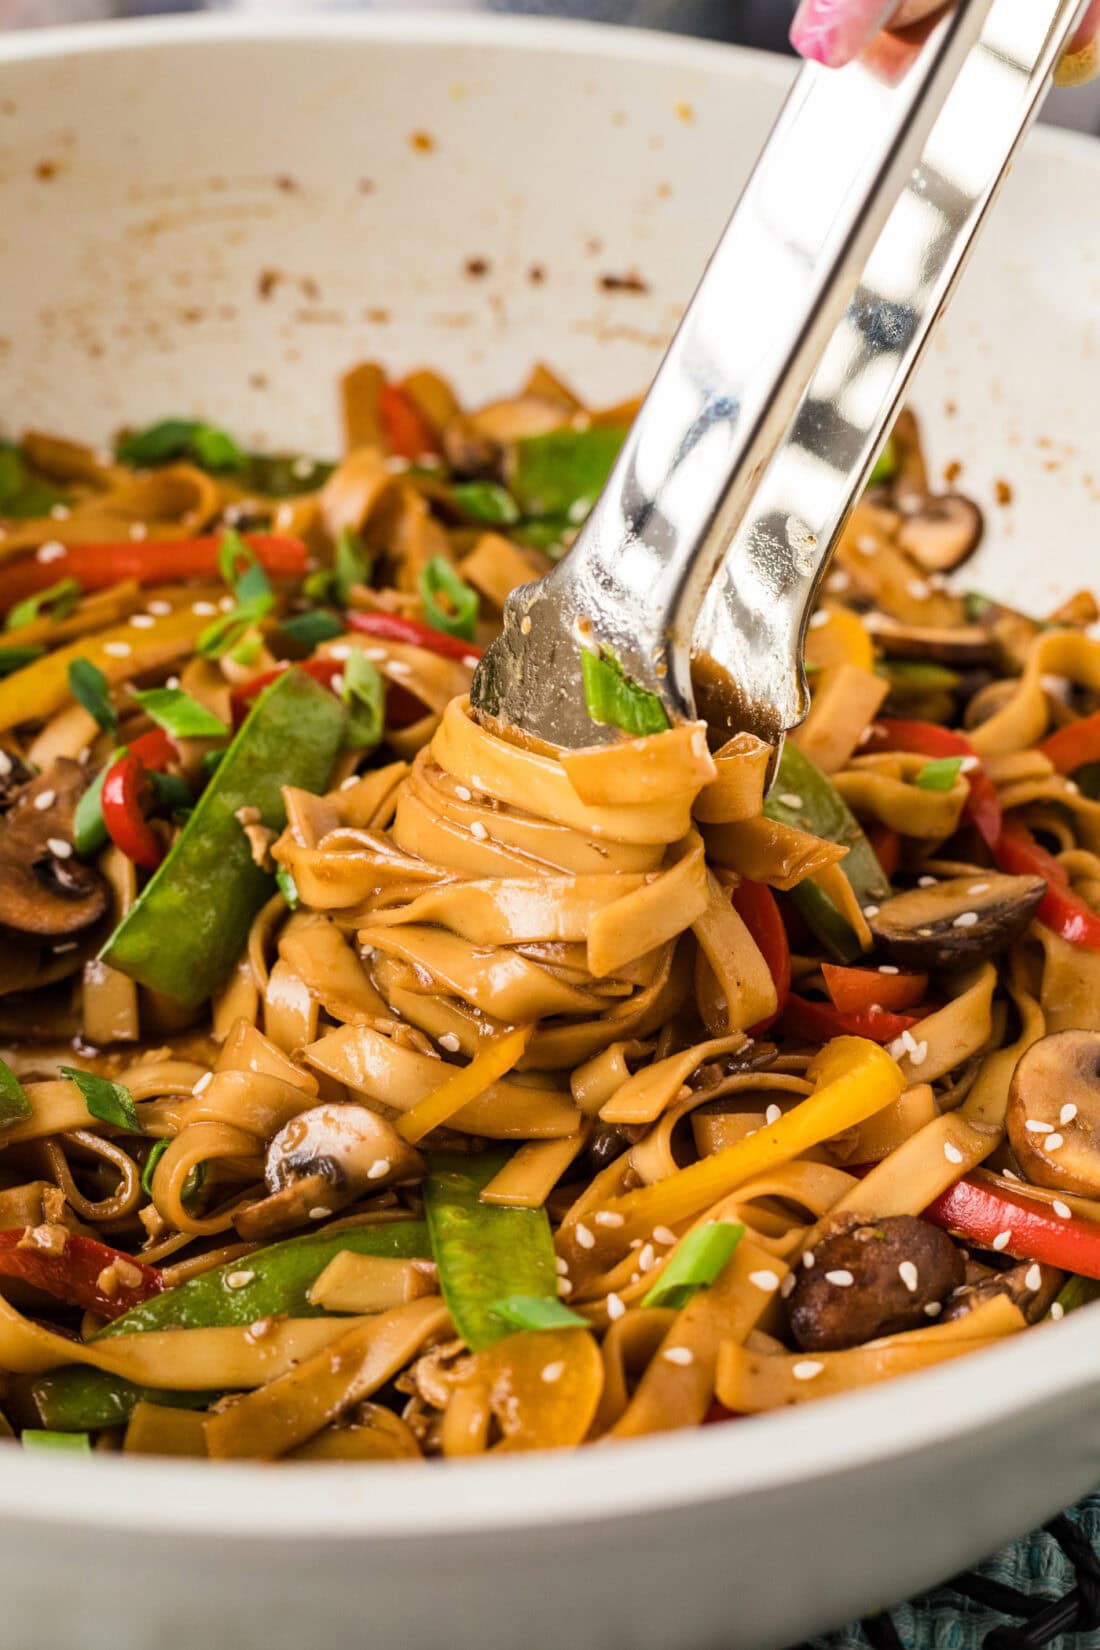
364, 693
211, 762
450, 604
886, 465
537, 1312
56, 602
241, 571
917, 674
24, 495
549, 536
110, 1102
77, 1398
89, 826
309, 630
171, 794
977, 607
88, 686
178, 714
486, 502
14, 1105
351, 564
36, 1438
696, 1263
191, 1185
613, 699
562, 473
1076, 1292
288, 887
285, 475
485, 1255
229, 631
176, 438
14, 658
939, 774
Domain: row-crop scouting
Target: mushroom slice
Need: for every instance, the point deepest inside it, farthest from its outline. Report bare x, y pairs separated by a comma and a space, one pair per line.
957, 923
866, 1278
1053, 1114
1030, 1286
324, 1159
14, 774
942, 533
964, 644
44, 888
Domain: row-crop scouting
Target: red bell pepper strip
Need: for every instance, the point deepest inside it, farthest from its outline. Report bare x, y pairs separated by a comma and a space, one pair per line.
125, 791
887, 847
817, 1022
154, 750
1075, 744
1061, 909
148, 561
73, 1275
757, 908
854, 990
983, 805
408, 433
979, 1213
392, 627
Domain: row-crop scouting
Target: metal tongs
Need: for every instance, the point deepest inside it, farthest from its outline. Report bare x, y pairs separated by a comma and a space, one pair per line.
761, 427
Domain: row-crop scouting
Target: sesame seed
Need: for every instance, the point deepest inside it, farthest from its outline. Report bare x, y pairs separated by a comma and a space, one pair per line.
870, 911
790, 800
375, 654
1008, 1174
1062, 1210
1033, 1278
866, 544
978, 888
1057, 1312
841, 1277
561, 1265
615, 1308
818, 619
681, 1355
50, 551
477, 829
398, 667
227, 604
302, 468
1034, 1126
1067, 1113
338, 684
787, 1287
5, 762
142, 621
450, 1042
60, 512
44, 800
585, 1237
350, 782
381, 1166
117, 650
661, 1234
464, 793
1002, 1240
564, 1286
608, 1217
66, 945
952, 1153
808, 1258
840, 580
806, 1369
1053, 1142
764, 1279
59, 848
925, 933
909, 1275
138, 531
319, 1213
471, 661
773, 1114
160, 609
933, 1309
172, 682
553, 1372
926, 882
647, 1257
918, 589
966, 919
238, 1280
969, 763
203, 1083
203, 610
888, 968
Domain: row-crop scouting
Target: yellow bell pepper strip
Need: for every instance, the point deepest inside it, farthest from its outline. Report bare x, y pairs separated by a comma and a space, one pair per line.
121, 652
854, 1079
464, 1085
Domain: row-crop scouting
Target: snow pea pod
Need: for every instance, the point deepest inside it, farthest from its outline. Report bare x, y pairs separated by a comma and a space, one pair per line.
562, 473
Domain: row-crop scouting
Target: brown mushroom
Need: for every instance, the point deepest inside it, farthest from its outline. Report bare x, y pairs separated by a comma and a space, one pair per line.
956, 923
321, 1161
964, 644
44, 888
14, 774
942, 533
1053, 1114
868, 1278
1029, 1286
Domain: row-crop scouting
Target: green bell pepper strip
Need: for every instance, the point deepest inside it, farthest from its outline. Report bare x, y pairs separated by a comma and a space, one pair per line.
563, 472
486, 503
484, 1255
76, 1398
189, 924
822, 810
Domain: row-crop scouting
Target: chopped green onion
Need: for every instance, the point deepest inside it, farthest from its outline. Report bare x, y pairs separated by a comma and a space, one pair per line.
158, 1151
1075, 1292
88, 686
175, 438
450, 604
229, 631
917, 673
23, 495
696, 1263
178, 714
14, 658
89, 827
886, 465
247, 650
486, 502
284, 475
939, 774
14, 1105
311, 629
613, 699
57, 601
240, 569
549, 536
171, 794
211, 762
37, 1438
351, 564
364, 693
288, 887
537, 1312
110, 1102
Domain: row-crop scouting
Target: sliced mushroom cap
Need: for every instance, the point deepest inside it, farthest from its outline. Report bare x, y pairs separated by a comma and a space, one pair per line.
44, 888
964, 644
957, 923
14, 774
1053, 1114
869, 1278
1029, 1286
942, 533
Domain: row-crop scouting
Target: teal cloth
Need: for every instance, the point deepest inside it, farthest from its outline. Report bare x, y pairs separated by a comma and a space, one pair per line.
943, 1620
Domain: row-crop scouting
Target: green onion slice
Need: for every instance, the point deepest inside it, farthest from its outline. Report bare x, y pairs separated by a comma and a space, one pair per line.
14, 1105
110, 1102
486, 502
178, 714
310, 629
696, 1263
613, 699
450, 604
37, 1438
939, 774
57, 601
537, 1312
14, 658
288, 887
364, 693
89, 688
